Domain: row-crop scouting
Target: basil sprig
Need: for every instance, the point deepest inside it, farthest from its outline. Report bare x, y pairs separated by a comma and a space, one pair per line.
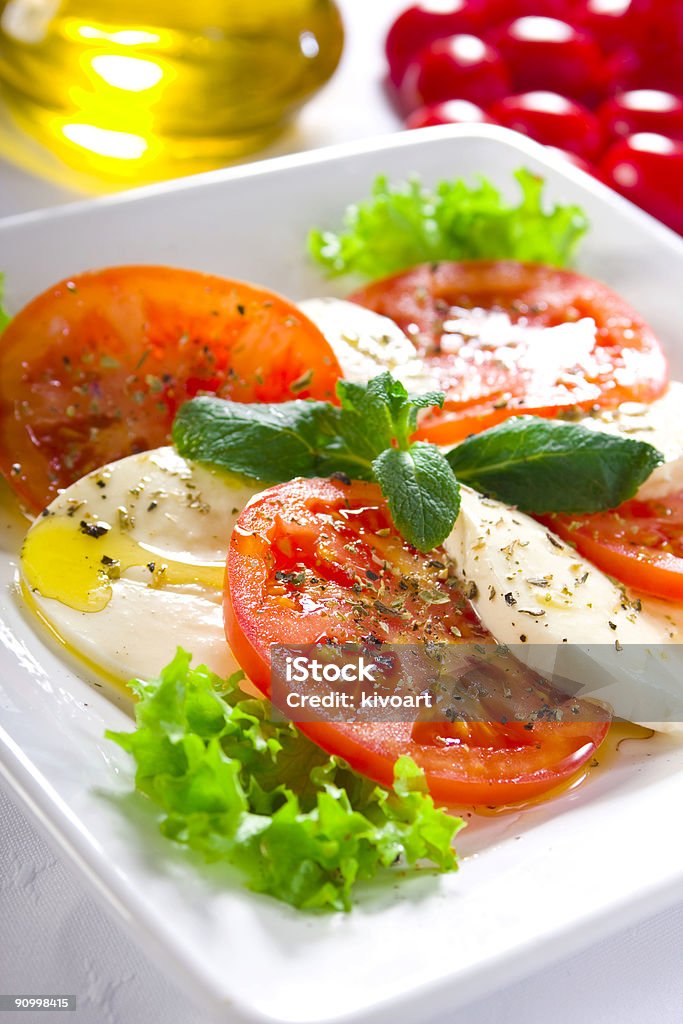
538, 465
551, 466
367, 437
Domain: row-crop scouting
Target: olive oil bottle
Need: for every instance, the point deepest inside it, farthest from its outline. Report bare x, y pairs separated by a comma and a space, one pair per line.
139, 90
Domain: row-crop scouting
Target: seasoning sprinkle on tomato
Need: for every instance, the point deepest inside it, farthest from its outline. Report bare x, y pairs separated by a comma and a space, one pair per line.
96, 367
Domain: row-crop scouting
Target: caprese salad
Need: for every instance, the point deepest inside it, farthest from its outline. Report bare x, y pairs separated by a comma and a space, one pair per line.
481, 448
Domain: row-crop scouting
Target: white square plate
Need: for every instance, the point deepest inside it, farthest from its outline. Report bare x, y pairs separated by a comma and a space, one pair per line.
534, 885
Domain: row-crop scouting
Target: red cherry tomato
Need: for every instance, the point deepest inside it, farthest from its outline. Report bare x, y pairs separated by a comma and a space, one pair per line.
458, 67
659, 23
651, 67
424, 23
654, 36
546, 53
577, 161
609, 22
650, 30
642, 110
623, 71
655, 9
501, 11
648, 170
449, 112
551, 119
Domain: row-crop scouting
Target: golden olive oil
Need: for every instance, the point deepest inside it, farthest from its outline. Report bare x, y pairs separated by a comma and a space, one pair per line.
620, 734
138, 90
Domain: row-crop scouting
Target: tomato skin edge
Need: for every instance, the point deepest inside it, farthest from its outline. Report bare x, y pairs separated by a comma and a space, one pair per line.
491, 793
659, 576
237, 635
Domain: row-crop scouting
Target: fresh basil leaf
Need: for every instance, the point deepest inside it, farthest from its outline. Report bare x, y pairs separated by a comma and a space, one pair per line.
407, 425
387, 411
268, 442
383, 389
302, 438
550, 466
422, 492
405, 224
427, 400
367, 409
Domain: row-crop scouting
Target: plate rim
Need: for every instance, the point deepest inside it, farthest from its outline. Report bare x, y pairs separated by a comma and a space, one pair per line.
28, 782
342, 150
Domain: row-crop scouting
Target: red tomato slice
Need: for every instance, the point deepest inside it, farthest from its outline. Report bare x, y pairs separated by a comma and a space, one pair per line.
484, 330
96, 367
317, 560
640, 543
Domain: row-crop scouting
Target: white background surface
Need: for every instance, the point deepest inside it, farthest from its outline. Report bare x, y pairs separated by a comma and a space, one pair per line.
53, 938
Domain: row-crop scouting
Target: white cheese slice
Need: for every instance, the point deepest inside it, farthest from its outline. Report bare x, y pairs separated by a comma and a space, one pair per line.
128, 563
366, 343
531, 590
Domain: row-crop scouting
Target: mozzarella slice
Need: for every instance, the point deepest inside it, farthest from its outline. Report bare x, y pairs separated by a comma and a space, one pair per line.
531, 587
128, 563
531, 590
366, 344
660, 424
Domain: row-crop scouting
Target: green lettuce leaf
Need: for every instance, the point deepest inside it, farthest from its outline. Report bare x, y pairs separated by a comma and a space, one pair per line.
4, 315
402, 225
234, 786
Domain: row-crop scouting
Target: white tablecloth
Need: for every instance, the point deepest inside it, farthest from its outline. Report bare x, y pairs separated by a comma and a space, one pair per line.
55, 938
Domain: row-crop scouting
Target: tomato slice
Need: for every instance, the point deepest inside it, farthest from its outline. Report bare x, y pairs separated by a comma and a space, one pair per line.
640, 543
314, 561
504, 338
96, 367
